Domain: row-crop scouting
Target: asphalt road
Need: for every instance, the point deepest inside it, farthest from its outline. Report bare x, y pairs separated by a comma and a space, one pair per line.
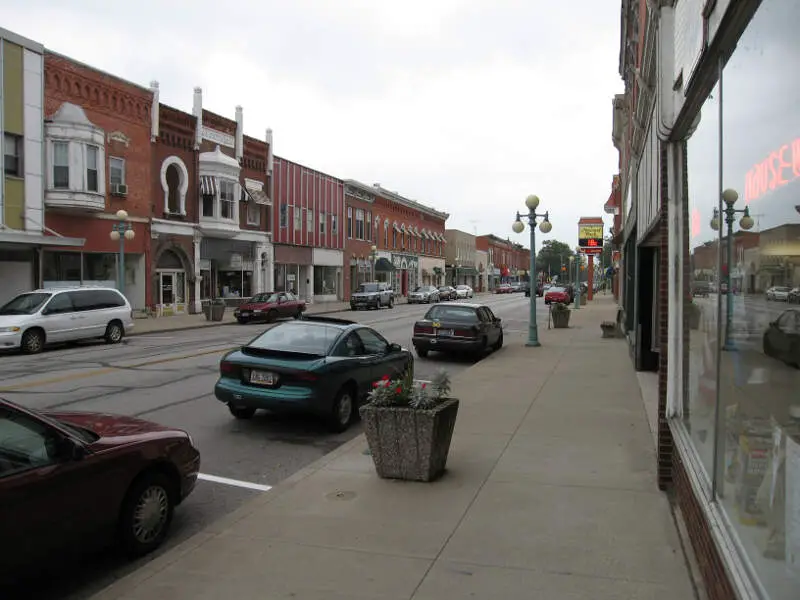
168, 378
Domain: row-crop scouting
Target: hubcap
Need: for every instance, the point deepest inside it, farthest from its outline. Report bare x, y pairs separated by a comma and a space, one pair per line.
150, 514
345, 408
34, 343
115, 334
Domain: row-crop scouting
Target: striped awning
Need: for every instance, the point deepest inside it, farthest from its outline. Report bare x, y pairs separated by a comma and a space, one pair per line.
257, 194
208, 185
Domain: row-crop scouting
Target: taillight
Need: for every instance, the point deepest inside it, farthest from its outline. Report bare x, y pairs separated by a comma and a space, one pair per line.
226, 367
423, 329
464, 332
305, 376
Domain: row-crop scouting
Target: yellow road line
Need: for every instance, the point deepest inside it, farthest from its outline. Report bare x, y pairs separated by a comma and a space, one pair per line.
106, 370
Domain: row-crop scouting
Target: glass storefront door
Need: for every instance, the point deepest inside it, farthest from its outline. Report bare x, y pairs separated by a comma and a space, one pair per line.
171, 292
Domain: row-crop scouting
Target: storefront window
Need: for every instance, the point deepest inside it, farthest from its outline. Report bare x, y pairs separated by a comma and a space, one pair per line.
759, 479
703, 191
325, 281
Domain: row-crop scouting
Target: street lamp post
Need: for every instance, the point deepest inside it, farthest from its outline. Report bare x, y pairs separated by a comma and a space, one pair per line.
578, 289
531, 202
730, 197
120, 231
373, 255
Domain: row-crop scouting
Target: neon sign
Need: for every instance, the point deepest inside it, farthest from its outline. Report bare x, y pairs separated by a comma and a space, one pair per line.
781, 167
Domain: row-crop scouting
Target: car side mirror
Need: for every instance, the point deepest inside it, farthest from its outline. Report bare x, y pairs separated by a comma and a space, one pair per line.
69, 450
393, 348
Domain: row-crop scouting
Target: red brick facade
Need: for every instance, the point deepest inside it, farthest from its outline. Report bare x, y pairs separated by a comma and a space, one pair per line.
122, 110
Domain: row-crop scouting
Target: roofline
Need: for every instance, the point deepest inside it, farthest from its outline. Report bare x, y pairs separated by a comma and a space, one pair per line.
21, 40
276, 157
100, 71
389, 195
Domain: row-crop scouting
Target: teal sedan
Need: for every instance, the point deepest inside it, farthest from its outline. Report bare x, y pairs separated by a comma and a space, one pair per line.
317, 365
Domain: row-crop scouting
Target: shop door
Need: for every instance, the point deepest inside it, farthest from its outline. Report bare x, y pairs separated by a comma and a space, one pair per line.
172, 292
405, 283
167, 286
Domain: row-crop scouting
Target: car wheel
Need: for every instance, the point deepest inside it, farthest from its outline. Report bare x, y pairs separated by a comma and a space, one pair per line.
147, 513
114, 332
272, 315
242, 412
422, 352
343, 409
32, 341
499, 343
298, 314
391, 302
242, 321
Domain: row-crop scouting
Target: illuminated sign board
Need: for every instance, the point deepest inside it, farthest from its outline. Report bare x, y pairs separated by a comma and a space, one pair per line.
781, 167
590, 237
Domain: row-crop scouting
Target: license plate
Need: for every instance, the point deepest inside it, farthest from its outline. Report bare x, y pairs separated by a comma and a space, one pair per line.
245, 313
444, 332
263, 377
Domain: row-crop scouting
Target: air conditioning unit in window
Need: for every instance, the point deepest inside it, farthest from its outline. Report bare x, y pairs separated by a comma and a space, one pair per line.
119, 189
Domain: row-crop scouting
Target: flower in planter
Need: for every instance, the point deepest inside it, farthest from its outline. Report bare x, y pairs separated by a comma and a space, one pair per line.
408, 392
559, 307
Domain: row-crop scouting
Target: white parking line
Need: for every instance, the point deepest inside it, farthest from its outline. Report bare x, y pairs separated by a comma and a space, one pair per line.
235, 482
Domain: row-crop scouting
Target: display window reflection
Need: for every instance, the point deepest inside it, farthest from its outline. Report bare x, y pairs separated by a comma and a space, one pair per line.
758, 471
703, 282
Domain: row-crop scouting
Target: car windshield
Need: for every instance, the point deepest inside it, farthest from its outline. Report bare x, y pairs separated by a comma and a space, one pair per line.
444, 288
452, 313
462, 287
300, 337
366, 288
424, 288
25, 304
781, 289
268, 298
558, 290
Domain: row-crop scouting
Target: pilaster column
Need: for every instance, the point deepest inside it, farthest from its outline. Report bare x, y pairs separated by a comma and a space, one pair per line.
310, 284
196, 248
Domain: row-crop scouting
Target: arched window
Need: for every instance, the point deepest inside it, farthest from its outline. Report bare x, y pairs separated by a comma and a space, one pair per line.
175, 183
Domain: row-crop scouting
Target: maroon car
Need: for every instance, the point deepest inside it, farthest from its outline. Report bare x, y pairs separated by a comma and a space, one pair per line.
270, 306
504, 288
557, 294
72, 482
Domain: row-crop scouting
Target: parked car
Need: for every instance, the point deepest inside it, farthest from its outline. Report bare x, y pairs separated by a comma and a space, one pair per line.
318, 365
782, 338
372, 295
557, 294
32, 320
447, 292
458, 328
516, 286
269, 307
464, 291
778, 293
424, 293
71, 482
503, 288
794, 296
701, 289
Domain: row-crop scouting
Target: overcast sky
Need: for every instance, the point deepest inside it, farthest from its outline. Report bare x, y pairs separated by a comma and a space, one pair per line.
465, 105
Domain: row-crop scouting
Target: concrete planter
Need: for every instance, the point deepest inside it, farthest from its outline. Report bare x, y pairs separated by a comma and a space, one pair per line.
694, 316
214, 312
609, 329
560, 319
408, 443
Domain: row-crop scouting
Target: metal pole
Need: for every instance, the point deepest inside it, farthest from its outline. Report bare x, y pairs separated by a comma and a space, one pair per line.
122, 260
577, 281
729, 345
533, 328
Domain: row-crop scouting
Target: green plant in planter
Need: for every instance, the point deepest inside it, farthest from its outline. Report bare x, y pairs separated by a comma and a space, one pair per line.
409, 425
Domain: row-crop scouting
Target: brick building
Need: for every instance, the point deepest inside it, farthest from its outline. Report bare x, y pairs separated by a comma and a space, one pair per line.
461, 268
211, 216
308, 236
507, 260
408, 236
98, 161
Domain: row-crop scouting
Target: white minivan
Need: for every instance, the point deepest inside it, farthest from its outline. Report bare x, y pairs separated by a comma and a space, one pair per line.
49, 316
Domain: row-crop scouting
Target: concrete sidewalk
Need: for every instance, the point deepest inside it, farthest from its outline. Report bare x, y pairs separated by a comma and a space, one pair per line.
550, 494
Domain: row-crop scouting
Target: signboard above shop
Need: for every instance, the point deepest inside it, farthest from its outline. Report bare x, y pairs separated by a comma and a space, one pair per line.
590, 235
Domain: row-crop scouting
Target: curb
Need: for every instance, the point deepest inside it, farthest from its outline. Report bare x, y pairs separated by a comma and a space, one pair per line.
222, 324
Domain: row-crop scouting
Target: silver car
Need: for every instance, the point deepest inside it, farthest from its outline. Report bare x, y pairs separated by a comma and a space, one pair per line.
424, 293
48, 316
